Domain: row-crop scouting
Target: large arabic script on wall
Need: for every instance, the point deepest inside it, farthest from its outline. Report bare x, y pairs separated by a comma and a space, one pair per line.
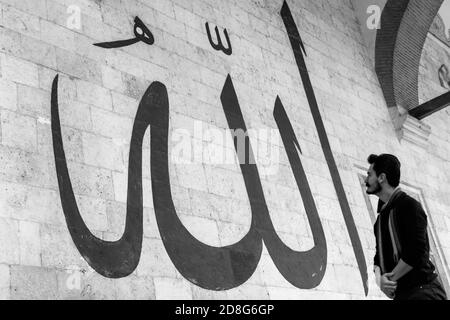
213, 268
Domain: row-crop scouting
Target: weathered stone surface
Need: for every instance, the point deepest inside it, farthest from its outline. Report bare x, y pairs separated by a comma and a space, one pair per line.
172, 289
5, 281
9, 234
99, 94
32, 283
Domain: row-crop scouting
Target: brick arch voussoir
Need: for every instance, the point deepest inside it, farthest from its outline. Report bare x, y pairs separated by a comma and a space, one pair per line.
398, 50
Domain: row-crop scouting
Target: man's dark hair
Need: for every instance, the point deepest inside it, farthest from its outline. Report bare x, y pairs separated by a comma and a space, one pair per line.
387, 164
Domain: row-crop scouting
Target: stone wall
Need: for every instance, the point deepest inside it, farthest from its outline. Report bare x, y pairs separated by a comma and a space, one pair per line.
99, 91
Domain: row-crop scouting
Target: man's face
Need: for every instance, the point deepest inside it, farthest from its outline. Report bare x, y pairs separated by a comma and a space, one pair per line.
372, 184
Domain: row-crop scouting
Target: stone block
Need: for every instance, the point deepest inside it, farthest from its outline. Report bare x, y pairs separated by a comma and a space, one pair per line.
205, 230
96, 29
84, 68
115, 17
201, 205
155, 261
31, 204
329, 282
57, 36
93, 212
112, 79
58, 13
33, 102
135, 288
269, 272
19, 71
165, 7
225, 183
46, 77
125, 62
30, 244
37, 8
170, 25
72, 141
120, 181
75, 114
339, 233
58, 249
292, 222
27, 48
33, 283
121, 189
124, 105
5, 282
197, 38
19, 131
102, 152
83, 283
8, 98
236, 211
21, 22
172, 289
116, 217
97, 287
90, 181
111, 125
9, 230
349, 280
151, 229
94, 95
86, 49
249, 292
188, 17
192, 176
203, 294
279, 293
230, 233
135, 85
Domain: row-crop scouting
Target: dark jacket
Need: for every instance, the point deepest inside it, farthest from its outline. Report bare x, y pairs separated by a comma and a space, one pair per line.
410, 223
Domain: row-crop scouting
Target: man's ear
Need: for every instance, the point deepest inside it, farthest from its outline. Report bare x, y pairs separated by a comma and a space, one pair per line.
382, 178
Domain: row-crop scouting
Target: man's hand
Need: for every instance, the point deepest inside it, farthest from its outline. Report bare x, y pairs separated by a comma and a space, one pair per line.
387, 286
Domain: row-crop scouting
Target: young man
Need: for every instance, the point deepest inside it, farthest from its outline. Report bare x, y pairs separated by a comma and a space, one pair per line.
402, 263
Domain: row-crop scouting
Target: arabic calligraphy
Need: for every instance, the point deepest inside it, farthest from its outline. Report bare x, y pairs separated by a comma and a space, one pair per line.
208, 267
296, 42
219, 45
110, 259
141, 32
212, 268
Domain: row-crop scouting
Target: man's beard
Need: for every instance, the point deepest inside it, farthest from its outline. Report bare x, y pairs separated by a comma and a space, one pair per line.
376, 190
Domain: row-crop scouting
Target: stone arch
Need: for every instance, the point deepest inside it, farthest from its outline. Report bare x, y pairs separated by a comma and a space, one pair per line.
398, 49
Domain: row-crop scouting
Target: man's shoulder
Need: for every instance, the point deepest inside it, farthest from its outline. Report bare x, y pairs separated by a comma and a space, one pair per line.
408, 203
406, 198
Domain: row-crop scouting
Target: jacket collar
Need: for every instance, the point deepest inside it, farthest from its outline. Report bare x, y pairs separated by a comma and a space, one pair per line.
386, 206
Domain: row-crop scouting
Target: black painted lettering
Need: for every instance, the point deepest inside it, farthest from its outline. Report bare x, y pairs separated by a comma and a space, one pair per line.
299, 49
